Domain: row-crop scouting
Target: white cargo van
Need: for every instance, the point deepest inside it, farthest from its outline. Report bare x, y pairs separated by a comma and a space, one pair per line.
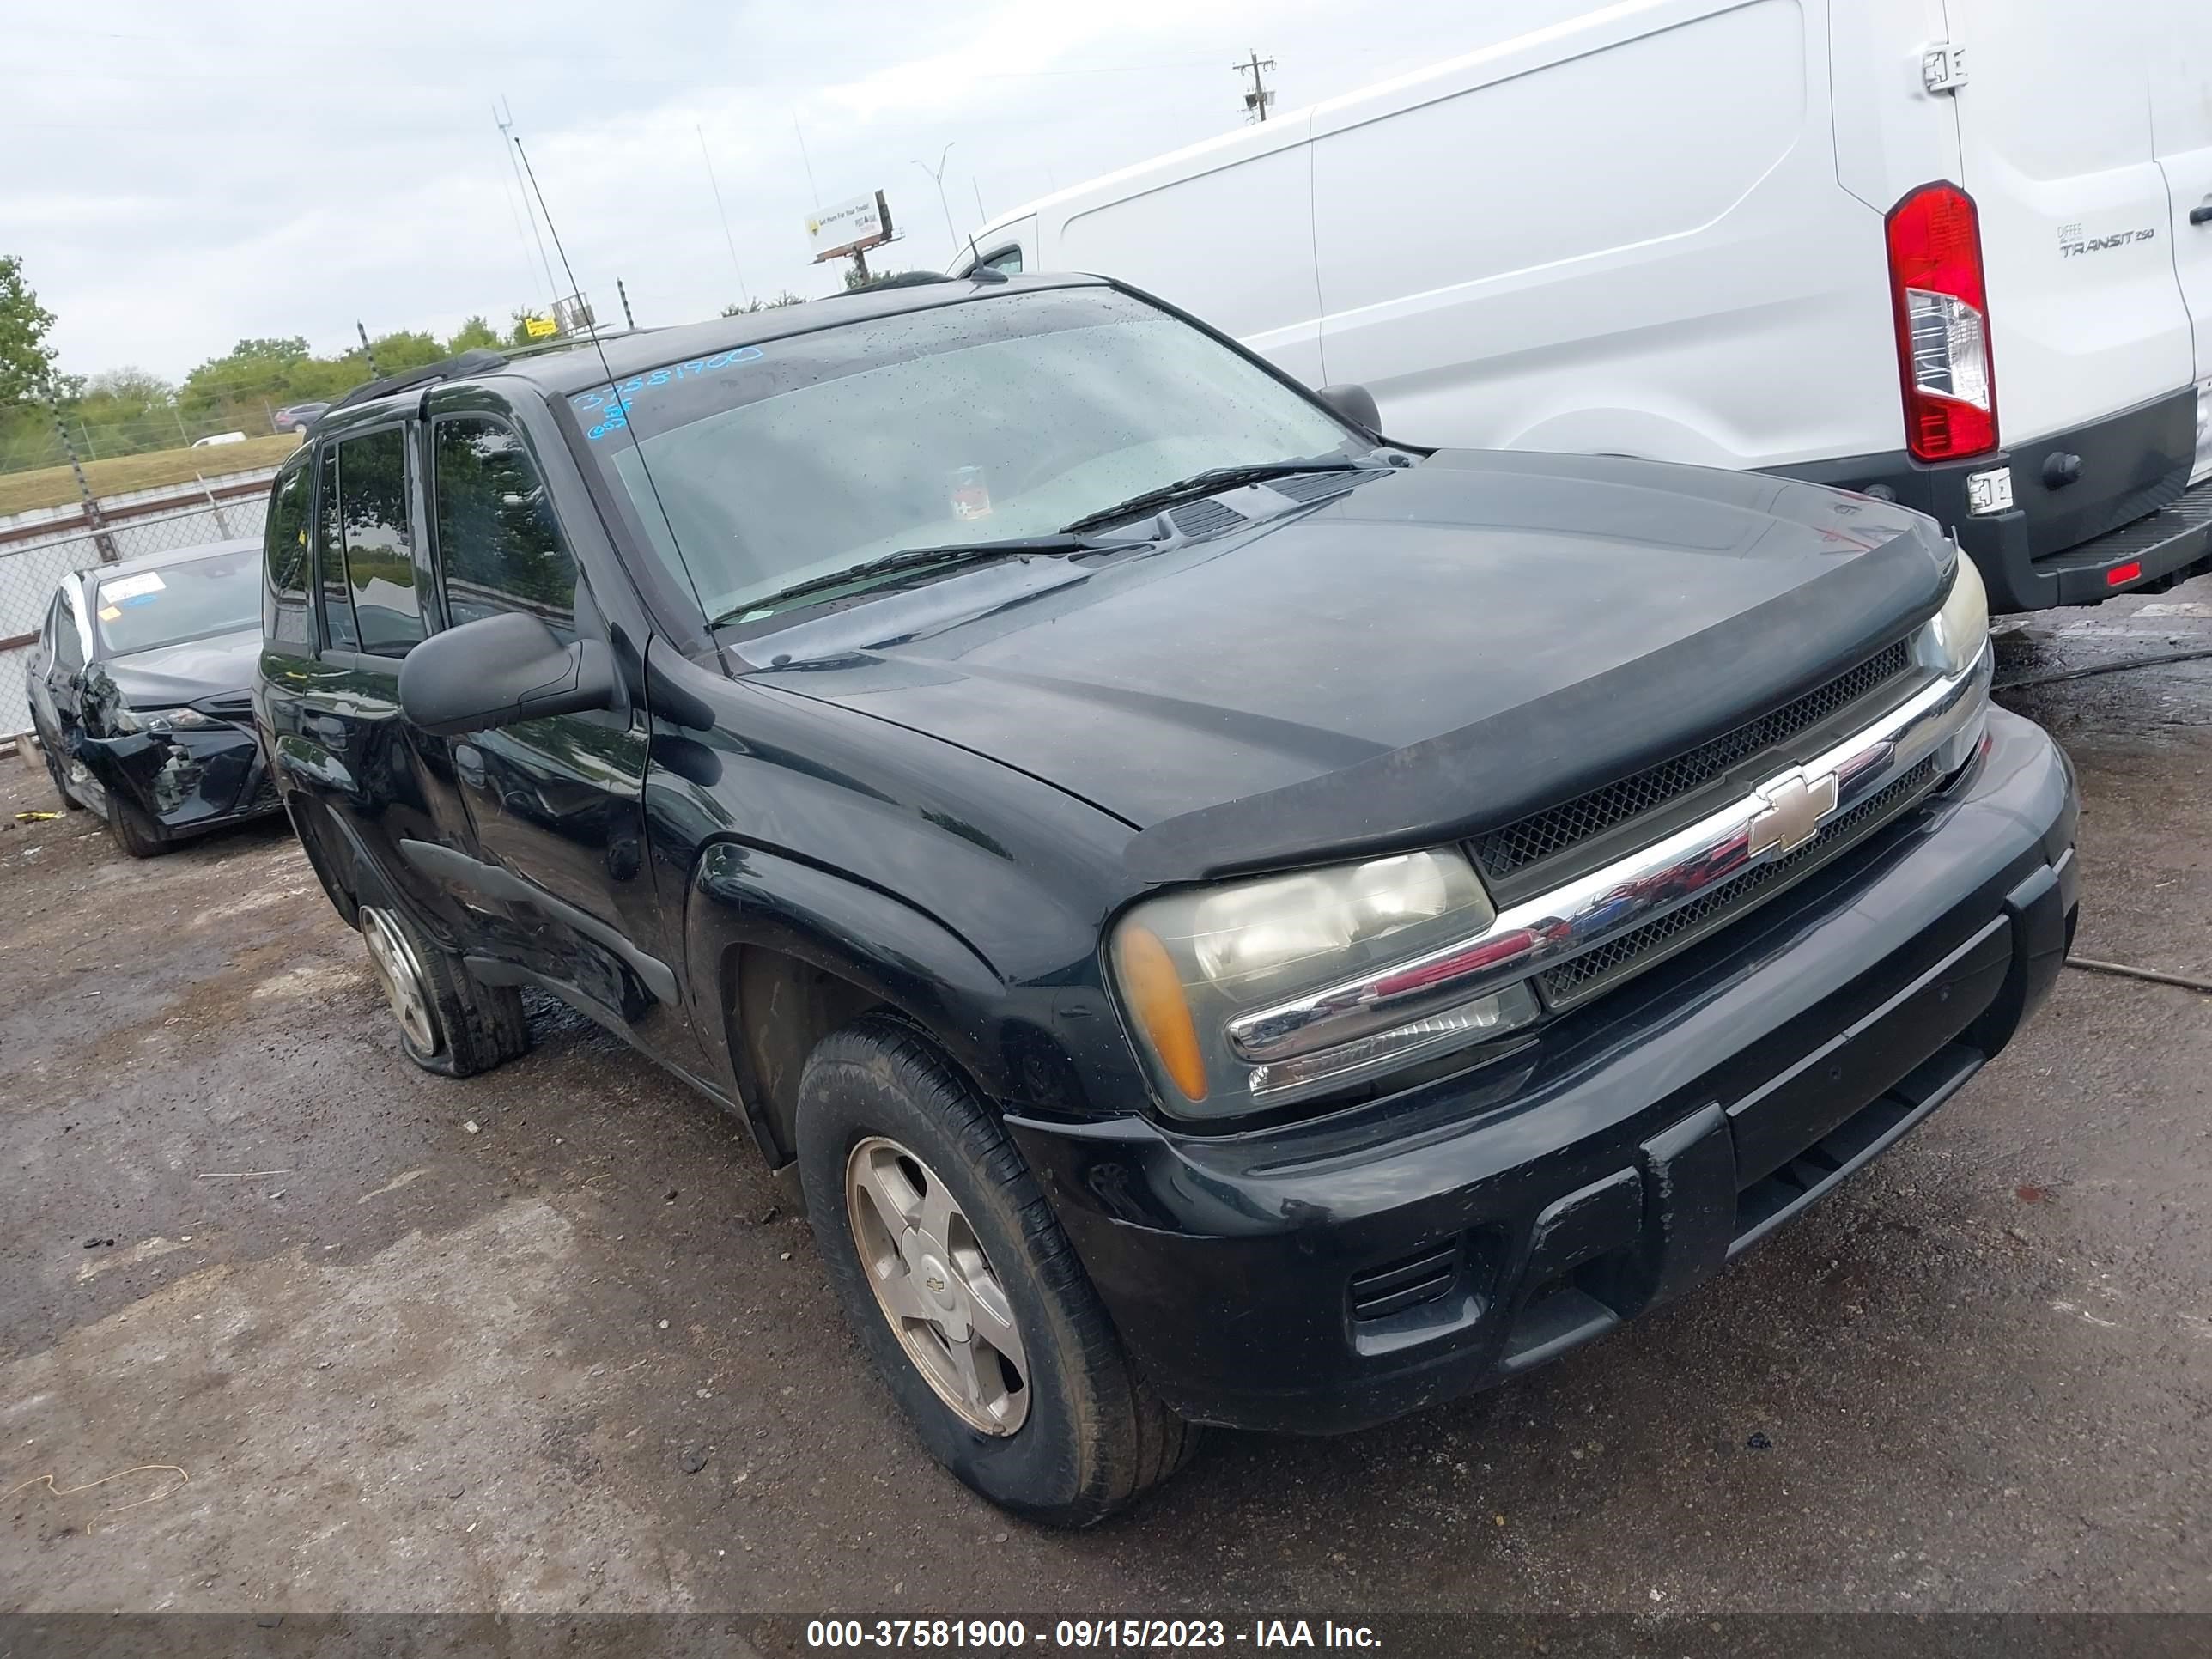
1953, 252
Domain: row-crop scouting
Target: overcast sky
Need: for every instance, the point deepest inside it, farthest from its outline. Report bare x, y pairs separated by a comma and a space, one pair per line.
184, 176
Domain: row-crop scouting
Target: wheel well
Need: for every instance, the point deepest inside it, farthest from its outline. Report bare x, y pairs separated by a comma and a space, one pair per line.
778, 1007
339, 891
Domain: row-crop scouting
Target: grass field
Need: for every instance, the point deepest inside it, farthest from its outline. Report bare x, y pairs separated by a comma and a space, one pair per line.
54, 486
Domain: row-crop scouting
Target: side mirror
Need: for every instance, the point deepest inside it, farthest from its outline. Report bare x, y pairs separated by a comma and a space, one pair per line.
499, 670
1355, 404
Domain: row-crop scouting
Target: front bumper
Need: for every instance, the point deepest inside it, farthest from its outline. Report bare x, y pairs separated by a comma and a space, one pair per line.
184, 781
1338, 1273
2104, 508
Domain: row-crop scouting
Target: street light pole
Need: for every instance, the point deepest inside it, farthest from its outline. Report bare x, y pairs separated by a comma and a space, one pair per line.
937, 177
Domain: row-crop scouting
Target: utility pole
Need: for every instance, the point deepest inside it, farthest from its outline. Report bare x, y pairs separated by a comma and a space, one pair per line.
981, 217
715, 185
937, 177
1257, 100
101, 539
505, 120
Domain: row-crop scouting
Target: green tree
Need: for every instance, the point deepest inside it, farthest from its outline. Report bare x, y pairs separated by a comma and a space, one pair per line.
396, 353
27, 360
474, 335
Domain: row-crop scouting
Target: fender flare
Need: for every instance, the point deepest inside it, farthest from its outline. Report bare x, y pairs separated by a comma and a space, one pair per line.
741, 896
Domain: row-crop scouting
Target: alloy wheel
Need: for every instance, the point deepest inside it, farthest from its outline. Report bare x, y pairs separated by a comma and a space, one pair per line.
935, 1286
399, 975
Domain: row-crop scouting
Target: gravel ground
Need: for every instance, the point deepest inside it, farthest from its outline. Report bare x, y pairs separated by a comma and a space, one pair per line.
346, 1336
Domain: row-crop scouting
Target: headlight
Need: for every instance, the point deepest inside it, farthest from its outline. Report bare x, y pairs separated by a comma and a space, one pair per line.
123, 722
1961, 627
1257, 994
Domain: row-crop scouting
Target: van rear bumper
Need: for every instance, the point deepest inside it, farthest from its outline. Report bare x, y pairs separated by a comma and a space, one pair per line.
2104, 508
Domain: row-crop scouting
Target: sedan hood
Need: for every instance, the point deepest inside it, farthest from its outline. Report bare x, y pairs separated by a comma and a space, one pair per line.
1441, 649
172, 674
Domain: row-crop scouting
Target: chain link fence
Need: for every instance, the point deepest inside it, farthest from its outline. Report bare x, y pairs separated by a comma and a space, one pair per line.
31, 567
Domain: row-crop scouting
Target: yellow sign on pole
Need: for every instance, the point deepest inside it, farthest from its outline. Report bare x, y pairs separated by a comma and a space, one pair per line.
540, 328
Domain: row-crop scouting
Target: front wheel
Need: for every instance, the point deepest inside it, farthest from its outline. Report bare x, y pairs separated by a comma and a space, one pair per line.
134, 832
956, 1276
449, 1023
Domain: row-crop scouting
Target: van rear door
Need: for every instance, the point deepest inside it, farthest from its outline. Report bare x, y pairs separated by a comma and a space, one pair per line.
2181, 123
2055, 145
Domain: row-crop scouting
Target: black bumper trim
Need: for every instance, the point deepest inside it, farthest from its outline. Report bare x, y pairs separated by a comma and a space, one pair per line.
1643, 1143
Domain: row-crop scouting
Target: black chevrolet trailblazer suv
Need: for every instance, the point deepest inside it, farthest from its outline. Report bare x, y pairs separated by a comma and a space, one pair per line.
1228, 919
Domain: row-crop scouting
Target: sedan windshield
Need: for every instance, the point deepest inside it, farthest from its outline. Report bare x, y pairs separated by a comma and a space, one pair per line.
762, 468
191, 599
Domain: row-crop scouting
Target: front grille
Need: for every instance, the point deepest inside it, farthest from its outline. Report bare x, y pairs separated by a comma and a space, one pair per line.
1587, 975
239, 707
1402, 1284
1545, 835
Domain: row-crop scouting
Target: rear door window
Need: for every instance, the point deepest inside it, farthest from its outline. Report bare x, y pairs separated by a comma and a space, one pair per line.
377, 530
286, 566
335, 597
499, 548
69, 649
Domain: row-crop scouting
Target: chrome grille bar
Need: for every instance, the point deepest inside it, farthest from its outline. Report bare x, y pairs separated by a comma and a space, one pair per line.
1944, 720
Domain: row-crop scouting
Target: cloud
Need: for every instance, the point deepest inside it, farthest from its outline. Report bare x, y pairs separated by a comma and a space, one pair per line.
200, 176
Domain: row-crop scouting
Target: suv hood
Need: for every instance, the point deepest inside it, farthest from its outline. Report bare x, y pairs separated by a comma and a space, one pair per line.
1441, 649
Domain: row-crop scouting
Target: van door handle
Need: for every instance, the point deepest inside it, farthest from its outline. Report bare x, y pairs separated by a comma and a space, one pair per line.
2198, 215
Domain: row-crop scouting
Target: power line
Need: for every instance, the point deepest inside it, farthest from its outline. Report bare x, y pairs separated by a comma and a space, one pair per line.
1257, 100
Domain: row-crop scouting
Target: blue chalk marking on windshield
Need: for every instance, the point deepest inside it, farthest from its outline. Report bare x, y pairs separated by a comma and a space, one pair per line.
614, 402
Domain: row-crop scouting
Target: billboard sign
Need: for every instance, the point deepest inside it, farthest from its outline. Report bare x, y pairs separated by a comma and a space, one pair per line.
845, 227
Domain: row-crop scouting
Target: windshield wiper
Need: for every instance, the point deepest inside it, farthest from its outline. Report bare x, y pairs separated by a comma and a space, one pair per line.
1208, 482
912, 559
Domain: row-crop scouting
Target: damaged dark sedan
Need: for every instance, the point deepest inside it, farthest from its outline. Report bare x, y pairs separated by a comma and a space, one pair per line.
141, 694
1225, 918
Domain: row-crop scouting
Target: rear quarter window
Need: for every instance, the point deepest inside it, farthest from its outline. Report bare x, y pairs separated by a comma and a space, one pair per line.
287, 567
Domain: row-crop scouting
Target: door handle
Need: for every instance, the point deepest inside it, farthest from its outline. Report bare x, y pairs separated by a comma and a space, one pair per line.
2198, 215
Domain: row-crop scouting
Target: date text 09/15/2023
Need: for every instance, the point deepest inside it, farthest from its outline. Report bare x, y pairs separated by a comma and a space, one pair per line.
1012, 1635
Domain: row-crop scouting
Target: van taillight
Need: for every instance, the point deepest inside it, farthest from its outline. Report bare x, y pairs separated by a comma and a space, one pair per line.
1942, 323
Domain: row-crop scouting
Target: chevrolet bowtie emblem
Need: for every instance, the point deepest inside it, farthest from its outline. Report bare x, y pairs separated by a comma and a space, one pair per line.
1794, 807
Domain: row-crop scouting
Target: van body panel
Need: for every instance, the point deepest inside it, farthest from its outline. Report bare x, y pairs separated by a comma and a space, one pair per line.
1891, 136
2181, 128
1605, 291
2086, 315
1657, 229
1235, 238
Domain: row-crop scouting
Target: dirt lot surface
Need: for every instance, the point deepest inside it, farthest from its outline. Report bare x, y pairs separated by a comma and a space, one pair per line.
336, 1334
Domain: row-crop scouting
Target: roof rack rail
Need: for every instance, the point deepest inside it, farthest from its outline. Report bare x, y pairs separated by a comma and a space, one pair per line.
478, 361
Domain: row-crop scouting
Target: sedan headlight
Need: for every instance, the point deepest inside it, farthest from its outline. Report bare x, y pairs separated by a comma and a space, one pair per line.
1257, 994
1961, 627
125, 721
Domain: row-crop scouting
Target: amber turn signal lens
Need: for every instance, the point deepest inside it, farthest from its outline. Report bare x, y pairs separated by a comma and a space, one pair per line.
1155, 995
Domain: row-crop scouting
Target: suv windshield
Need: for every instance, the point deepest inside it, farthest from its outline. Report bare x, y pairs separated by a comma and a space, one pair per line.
191, 599
1005, 417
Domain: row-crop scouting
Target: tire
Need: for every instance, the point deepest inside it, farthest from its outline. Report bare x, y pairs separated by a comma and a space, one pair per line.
1090, 1437
70, 802
134, 832
449, 1023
